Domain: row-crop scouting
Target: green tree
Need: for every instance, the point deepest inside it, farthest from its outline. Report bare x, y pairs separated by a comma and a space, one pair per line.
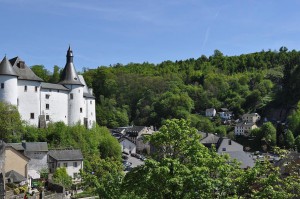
182, 167
11, 126
104, 177
109, 147
41, 72
55, 75
61, 177
290, 140
268, 133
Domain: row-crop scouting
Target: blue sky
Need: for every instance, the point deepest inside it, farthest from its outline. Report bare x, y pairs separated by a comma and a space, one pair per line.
118, 31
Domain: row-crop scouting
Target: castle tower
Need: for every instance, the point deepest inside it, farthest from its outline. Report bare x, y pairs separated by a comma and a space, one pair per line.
70, 80
8, 83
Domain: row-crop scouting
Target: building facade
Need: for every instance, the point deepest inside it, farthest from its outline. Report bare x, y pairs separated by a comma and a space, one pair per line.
69, 101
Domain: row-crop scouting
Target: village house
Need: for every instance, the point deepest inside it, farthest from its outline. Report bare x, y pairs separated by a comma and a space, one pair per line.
15, 166
127, 146
225, 114
244, 128
37, 153
247, 124
210, 112
225, 145
251, 117
71, 159
136, 134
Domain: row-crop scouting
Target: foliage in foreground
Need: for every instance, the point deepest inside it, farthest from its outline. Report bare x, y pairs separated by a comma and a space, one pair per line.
184, 168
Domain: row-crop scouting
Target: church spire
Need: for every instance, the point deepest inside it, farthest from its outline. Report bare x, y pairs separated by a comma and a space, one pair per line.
69, 74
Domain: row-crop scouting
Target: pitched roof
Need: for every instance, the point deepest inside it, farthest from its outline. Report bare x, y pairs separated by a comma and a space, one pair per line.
15, 176
6, 68
69, 74
209, 138
17, 146
36, 146
53, 86
86, 92
244, 158
210, 109
23, 71
66, 154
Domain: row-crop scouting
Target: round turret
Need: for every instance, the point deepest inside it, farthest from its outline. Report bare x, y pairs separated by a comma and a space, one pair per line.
71, 80
8, 83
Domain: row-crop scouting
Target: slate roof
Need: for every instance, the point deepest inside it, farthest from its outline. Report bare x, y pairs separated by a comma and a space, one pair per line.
53, 86
243, 157
69, 74
210, 109
36, 146
6, 68
17, 146
30, 146
209, 138
86, 92
66, 154
15, 176
24, 73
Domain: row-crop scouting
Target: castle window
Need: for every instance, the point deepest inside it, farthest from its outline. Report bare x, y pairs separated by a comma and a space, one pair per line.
65, 164
31, 115
80, 110
71, 96
17, 101
47, 117
91, 102
25, 88
36, 89
47, 106
74, 164
47, 96
2, 85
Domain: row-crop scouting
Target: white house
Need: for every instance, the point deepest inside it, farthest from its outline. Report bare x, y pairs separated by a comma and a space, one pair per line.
127, 145
71, 159
39, 103
210, 112
225, 115
244, 128
251, 117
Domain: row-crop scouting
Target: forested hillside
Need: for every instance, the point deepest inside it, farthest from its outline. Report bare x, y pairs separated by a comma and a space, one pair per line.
267, 82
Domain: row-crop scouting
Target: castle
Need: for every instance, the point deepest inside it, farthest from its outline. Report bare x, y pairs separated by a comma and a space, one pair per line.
38, 102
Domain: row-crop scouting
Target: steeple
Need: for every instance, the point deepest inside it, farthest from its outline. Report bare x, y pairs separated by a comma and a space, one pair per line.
69, 55
69, 74
6, 68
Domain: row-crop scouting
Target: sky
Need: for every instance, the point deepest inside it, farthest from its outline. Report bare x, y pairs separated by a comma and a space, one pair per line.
103, 33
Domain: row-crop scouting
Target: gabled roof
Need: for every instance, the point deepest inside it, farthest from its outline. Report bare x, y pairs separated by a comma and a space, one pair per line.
69, 74
23, 71
15, 176
241, 156
86, 92
66, 154
53, 86
209, 138
210, 109
125, 138
17, 146
6, 68
36, 146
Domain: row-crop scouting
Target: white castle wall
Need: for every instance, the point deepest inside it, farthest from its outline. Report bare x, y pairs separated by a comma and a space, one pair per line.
90, 112
9, 93
29, 101
58, 105
76, 104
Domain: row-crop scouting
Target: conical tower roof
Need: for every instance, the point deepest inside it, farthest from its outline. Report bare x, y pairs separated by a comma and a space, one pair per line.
69, 74
6, 68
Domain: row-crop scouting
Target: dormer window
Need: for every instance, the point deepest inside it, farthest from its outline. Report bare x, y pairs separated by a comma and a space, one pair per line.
2, 85
21, 64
